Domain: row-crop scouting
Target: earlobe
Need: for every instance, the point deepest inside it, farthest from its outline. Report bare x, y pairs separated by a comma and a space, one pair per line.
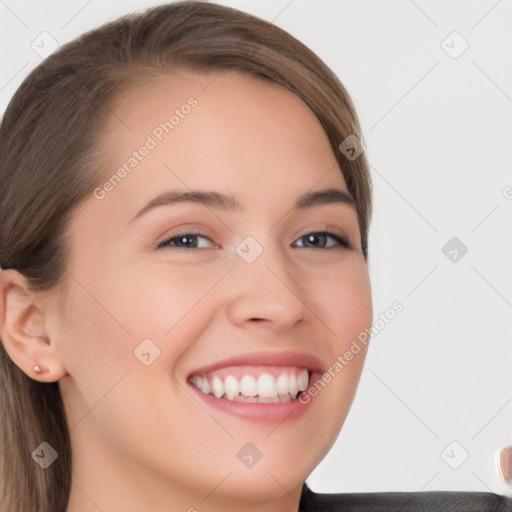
22, 329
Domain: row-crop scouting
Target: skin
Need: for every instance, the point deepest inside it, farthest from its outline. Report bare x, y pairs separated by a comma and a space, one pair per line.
140, 441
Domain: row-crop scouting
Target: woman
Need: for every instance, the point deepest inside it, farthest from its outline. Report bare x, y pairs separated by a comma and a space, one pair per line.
184, 262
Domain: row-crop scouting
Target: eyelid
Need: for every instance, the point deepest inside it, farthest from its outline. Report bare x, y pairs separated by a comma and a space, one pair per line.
188, 229
323, 228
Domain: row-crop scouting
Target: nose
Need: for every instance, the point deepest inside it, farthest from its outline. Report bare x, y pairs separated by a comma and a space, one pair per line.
265, 293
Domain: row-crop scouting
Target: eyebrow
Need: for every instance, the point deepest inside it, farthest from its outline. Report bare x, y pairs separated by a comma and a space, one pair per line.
221, 201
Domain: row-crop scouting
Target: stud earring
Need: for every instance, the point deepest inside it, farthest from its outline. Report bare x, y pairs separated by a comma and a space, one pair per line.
37, 369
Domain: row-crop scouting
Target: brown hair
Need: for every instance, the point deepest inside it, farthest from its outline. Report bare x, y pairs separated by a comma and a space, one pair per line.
50, 162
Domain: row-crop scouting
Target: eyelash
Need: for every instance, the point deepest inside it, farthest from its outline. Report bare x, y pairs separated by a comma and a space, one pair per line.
341, 241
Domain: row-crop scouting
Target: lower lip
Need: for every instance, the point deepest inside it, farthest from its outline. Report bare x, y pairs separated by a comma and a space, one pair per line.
280, 412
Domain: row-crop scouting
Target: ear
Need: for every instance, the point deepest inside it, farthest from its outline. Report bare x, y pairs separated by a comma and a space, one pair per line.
23, 329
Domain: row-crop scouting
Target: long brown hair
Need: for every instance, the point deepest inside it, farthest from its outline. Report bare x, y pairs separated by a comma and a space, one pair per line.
50, 162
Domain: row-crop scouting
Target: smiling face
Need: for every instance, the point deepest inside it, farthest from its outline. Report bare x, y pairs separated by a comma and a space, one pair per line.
227, 257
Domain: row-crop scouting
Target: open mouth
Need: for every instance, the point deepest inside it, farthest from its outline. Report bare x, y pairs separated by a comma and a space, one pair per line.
254, 384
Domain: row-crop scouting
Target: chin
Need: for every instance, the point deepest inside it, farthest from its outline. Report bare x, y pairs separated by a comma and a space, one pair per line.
263, 485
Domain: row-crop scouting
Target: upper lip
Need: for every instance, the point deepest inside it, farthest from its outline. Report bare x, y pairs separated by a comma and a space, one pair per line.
289, 358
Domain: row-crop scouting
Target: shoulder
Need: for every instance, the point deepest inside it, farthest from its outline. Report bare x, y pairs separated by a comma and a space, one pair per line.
431, 501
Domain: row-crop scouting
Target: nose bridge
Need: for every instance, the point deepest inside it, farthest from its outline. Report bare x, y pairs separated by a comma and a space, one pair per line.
263, 285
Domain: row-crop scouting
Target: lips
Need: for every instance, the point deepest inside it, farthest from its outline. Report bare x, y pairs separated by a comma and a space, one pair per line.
263, 386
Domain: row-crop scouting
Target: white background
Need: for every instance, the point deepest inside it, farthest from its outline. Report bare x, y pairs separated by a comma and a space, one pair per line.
439, 138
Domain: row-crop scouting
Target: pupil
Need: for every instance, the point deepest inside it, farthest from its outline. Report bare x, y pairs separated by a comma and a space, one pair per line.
313, 237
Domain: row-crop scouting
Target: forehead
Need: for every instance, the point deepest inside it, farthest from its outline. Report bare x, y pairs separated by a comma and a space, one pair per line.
227, 131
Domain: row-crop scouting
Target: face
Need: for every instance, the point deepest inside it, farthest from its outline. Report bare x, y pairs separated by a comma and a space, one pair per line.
227, 257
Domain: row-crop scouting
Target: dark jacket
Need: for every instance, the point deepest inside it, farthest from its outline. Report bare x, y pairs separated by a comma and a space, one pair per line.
431, 501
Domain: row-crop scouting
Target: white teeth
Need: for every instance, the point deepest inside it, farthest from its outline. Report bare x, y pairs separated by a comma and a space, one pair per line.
267, 386
217, 387
303, 380
248, 386
292, 386
282, 385
205, 386
232, 387
265, 389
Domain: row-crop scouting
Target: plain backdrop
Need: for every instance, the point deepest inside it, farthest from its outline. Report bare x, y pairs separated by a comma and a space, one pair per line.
432, 83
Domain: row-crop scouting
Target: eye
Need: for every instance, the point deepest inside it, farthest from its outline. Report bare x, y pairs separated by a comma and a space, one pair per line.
319, 240
313, 240
188, 241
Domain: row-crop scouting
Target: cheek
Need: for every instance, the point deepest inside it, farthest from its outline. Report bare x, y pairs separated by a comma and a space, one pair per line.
96, 350
344, 303
169, 304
